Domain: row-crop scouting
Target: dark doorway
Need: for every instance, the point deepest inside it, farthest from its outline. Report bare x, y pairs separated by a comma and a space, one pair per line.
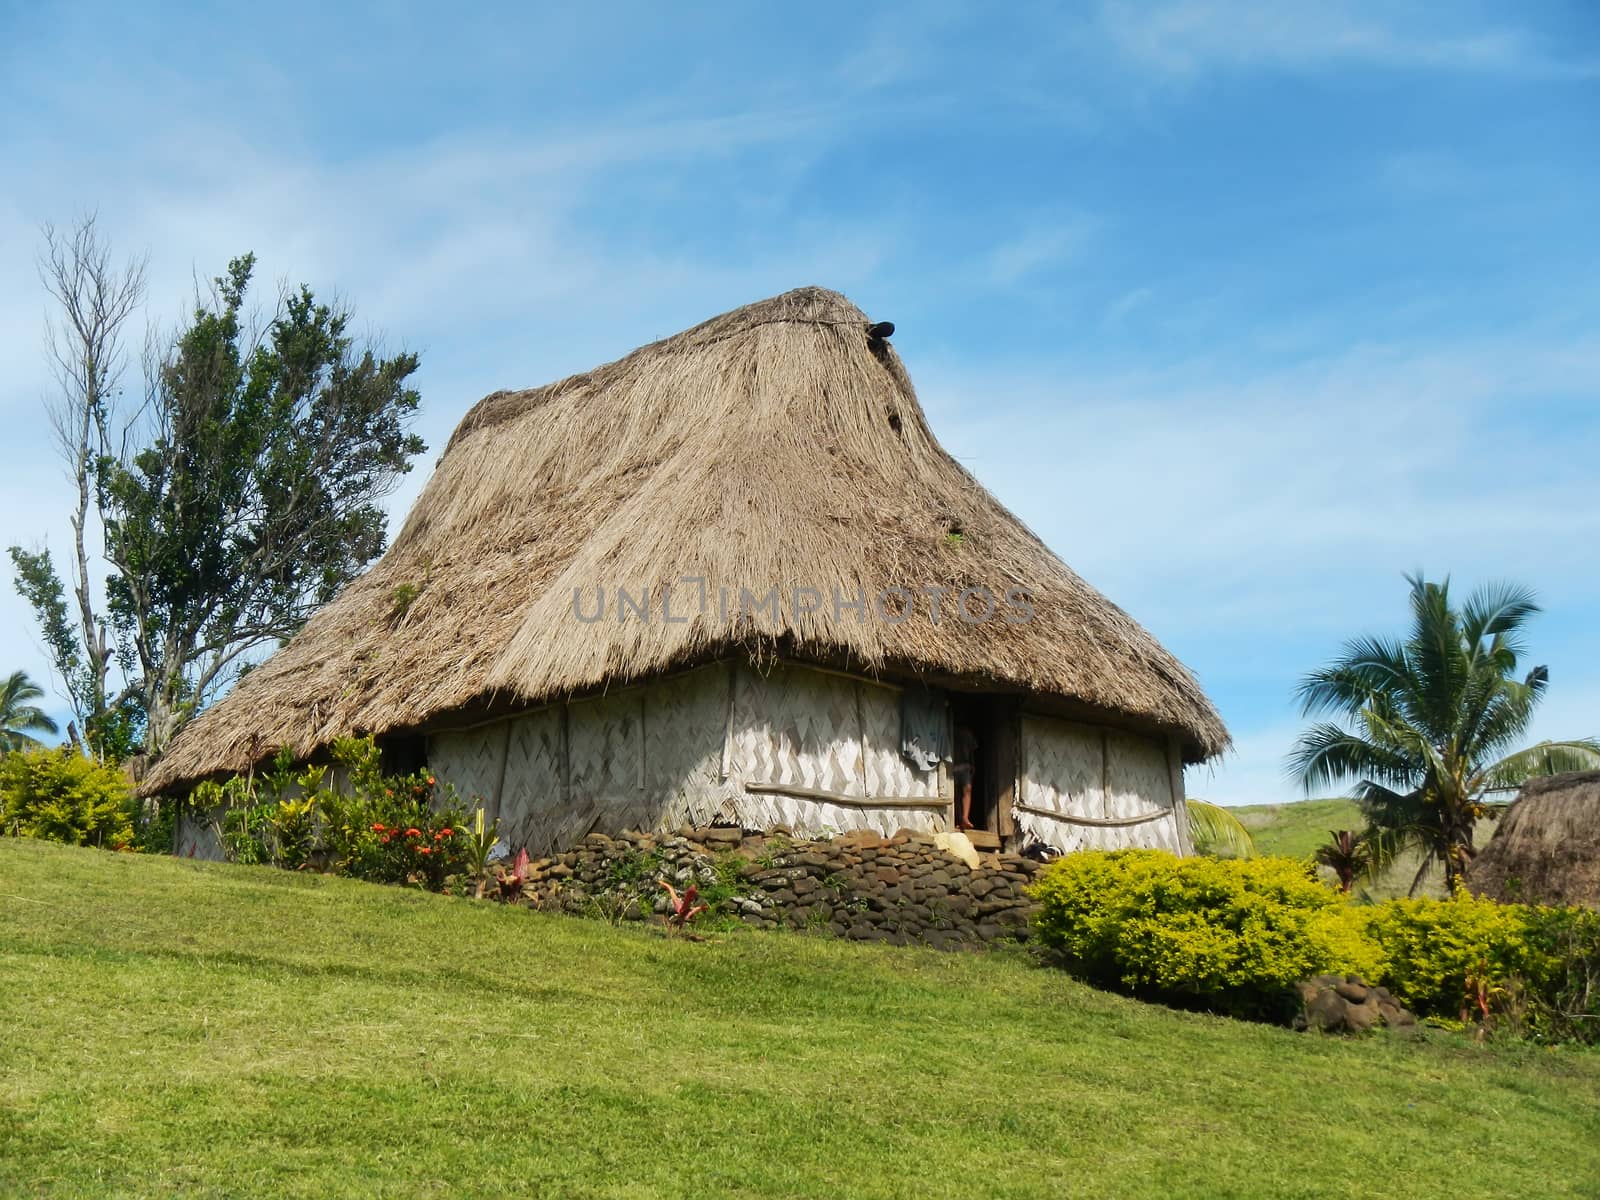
991, 721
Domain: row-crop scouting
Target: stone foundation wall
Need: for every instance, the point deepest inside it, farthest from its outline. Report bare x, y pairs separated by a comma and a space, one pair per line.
901, 889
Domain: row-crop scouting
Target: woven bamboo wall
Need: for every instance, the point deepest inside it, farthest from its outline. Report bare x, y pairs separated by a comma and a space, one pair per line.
820, 731
646, 757
653, 757
685, 721
470, 761
1099, 774
533, 809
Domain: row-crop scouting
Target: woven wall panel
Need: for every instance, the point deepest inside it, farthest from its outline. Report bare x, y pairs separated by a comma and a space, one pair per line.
196, 835
685, 719
1063, 767
532, 801
604, 740
1067, 768
470, 761
798, 727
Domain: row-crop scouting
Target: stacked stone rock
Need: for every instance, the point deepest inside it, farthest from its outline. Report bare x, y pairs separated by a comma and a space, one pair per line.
901, 889
1348, 1004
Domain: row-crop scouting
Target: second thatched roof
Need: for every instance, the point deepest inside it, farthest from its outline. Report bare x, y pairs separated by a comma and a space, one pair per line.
780, 444
1546, 849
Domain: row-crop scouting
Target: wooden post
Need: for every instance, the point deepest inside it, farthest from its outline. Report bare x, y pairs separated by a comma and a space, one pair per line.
861, 738
500, 781
1006, 730
1180, 802
727, 723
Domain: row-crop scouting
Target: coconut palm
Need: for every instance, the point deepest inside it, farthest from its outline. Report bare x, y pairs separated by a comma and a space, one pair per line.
19, 720
1428, 726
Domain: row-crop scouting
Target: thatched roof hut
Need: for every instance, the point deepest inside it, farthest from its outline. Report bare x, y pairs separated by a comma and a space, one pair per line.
776, 446
1547, 848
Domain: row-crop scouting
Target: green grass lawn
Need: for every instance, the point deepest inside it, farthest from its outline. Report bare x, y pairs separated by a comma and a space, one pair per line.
181, 1028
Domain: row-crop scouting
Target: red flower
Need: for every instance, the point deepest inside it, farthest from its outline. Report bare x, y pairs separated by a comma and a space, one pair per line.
424, 850
385, 839
431, 781
447, 832
413, 832
377, 828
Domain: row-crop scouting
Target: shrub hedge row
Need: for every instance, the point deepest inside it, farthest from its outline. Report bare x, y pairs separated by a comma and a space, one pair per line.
1234, 936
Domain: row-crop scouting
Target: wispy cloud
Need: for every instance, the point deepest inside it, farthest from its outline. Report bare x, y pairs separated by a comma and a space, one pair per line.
1043, 244
1200, 487
1185, 38
1119, 309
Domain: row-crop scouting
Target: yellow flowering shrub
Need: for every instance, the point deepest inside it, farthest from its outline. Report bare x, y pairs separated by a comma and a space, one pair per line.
1437, 949
61, 796
1234, 936
1231, 936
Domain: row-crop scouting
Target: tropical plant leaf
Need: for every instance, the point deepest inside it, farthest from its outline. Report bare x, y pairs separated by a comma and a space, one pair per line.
1218, 831
1546, 758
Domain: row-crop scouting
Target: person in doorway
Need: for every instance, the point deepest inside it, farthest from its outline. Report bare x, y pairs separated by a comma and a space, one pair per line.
961, 772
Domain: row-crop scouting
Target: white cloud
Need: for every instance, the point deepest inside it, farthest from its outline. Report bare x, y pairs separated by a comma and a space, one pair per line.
1185, 38
1042, 244
1118, 311
477, 251
1194, 493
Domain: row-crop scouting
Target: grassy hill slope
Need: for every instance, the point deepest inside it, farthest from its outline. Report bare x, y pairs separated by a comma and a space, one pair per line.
174, 1027
1296, 829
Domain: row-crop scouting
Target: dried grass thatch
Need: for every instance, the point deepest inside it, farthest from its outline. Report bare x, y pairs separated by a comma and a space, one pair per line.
1547, 848
778, 444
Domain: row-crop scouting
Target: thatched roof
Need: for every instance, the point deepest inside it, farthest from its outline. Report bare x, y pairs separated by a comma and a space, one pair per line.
1547, 848
778, 444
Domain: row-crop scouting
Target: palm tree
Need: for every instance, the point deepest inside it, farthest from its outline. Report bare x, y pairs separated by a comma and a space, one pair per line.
1430, 723
1348, 853
19, 720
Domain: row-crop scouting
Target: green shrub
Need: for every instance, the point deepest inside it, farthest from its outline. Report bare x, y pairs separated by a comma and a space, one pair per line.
1234, 936
62, 796
1433, 948
1534, 968
1564, 965
381, 828
1231, 936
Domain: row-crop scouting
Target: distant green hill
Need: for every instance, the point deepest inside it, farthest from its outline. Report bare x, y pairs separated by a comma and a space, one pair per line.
1297, 828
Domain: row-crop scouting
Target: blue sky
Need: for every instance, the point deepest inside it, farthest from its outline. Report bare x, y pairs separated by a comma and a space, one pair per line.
1246, 309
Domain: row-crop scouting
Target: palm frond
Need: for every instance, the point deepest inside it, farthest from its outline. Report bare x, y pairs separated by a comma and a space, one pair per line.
1326, 756
1547, 758
1498, 610
19, 720
1368, 667
1217, 830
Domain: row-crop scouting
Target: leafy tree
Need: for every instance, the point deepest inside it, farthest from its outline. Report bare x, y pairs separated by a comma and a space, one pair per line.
20, 720
240, 496
94, 298
1431, 724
